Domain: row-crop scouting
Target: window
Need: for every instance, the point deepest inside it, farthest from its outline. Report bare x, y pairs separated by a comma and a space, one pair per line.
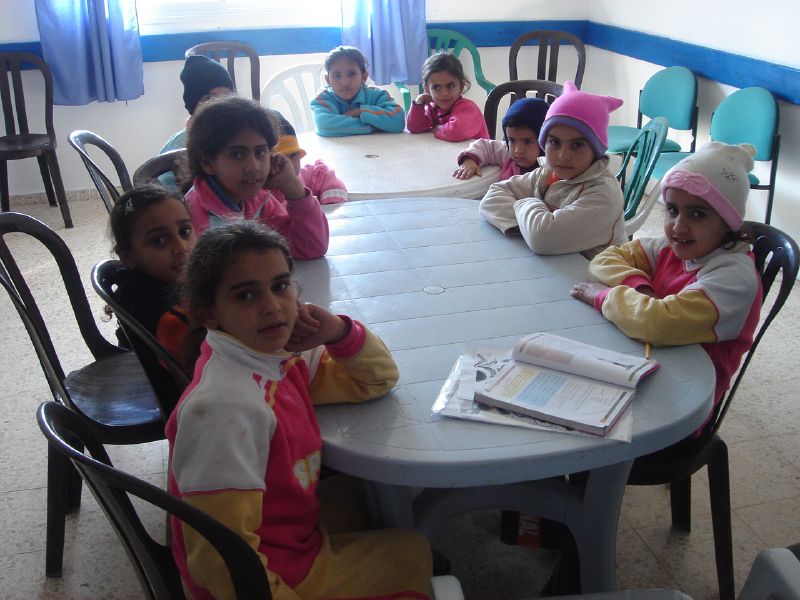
174, 16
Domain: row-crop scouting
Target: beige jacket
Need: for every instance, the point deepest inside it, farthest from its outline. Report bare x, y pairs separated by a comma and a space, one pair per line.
583, 214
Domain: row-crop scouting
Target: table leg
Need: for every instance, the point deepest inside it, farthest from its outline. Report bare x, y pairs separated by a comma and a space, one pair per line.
389, 505
591, 511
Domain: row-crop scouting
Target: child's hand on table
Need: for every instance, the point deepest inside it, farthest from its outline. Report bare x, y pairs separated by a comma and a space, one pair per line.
283, 178
467, 169
587, 291
315, 326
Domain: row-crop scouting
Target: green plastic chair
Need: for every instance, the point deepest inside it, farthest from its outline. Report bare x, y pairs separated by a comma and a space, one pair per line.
646, 149
447, 40
671, 93
747, 116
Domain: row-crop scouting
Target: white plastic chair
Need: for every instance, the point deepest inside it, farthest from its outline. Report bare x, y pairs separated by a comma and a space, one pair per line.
290, 92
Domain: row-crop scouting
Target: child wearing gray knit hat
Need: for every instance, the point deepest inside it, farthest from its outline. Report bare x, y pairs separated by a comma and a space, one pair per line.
698, 284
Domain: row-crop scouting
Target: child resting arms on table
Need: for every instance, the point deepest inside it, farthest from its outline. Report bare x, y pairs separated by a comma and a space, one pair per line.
698, 284
572, 203
519, 151
244, 440
442, 108
350, 107
235, 178
153, 236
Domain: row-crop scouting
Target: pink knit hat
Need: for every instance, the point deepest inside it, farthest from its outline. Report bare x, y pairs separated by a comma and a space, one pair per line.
585, 112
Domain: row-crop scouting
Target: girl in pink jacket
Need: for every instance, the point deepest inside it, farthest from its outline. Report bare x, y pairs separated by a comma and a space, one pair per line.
442, 108
236, 178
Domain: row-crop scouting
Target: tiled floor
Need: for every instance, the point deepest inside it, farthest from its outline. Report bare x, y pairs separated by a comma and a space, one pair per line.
762, 431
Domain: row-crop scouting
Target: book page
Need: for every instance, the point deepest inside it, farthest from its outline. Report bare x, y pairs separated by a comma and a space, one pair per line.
559, 397
560, 353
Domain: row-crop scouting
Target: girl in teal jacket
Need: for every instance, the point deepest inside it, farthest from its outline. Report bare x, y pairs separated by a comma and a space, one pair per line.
348, 106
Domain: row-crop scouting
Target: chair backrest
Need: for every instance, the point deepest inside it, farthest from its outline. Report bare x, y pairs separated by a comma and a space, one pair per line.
291, 91
545, 90
163, 372
13, 281
646, 149
549, 42
14, 112
68, 433
775, 252
229, 51
446, 40
108, 191
149, 172
750, 116
671, 93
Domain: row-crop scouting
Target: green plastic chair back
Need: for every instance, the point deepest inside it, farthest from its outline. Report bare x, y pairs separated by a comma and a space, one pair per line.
747, 116
671, 93
646, 148
446, 40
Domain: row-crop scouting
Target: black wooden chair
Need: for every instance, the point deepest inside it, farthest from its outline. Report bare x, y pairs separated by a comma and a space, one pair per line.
107, 189
549, 43
545, 90
153, 168
164, 373
775, 253
19, 142
112, 392
158, 575
229, 51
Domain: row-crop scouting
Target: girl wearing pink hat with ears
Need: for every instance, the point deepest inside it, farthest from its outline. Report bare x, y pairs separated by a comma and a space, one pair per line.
572, 202
698, 284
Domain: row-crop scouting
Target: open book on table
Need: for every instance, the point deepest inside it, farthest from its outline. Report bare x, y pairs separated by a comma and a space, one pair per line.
566, 382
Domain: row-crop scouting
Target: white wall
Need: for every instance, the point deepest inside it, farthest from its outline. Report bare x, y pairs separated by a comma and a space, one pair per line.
139, 127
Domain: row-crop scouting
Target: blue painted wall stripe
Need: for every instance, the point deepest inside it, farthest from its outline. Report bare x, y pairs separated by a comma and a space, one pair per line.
728, 68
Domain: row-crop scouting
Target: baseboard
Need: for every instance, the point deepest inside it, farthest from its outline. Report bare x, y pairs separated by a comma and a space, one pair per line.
41, 198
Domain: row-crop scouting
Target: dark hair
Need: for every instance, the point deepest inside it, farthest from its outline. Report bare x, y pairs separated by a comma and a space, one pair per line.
444, 62
208, 261
129, 208
350, 53
219, 120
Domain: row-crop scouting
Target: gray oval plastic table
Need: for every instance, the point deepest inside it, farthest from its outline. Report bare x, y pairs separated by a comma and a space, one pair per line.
429, 275
391, 165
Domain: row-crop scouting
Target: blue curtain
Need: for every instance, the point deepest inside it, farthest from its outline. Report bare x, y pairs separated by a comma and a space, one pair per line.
391, 34
93, 49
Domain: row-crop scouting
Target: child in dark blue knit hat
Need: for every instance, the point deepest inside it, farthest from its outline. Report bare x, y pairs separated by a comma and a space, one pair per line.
519, 151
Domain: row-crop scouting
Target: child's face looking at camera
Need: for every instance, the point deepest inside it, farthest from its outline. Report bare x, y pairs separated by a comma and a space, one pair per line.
523, 144
256, 301
568, 152
444, 88
692, 227
242, 166
345, 78
161, 239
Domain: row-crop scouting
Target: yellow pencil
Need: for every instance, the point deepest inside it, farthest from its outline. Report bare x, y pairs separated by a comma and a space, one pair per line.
647, 350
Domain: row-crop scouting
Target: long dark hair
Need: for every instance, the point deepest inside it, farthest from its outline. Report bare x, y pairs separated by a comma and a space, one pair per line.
215, 250
219, 120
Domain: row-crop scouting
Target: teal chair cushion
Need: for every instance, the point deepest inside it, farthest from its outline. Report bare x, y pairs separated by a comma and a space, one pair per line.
621, 137
670, 93
749, 115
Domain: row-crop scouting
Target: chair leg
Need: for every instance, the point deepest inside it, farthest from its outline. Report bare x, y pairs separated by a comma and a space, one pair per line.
680, 495
4, 195
57, 472
46, 179
58, 184
719, 489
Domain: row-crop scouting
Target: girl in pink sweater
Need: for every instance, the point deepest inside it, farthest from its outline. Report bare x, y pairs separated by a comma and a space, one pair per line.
236, 178
442, 108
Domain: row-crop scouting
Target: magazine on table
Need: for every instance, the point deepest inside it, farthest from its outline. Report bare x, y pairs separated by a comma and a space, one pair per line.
565, 382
